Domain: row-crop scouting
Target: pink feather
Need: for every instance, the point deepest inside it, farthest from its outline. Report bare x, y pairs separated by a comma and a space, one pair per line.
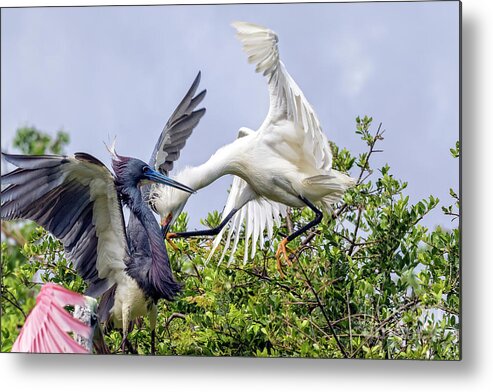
47, 326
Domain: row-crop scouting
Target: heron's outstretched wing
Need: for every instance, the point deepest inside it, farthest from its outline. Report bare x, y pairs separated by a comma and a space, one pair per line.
255, 219
48, 324
75, 199
166, 151
286, 98
178, 129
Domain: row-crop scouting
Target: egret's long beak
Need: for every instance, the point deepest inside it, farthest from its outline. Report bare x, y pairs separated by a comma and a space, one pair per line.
162, 179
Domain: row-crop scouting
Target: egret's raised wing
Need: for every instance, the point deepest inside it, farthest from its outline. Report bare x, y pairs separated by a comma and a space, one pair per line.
48, 324
254, 218
178, 129
75, 199
286, 98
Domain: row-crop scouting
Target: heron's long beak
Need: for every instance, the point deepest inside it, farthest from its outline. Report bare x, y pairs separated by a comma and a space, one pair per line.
162, 179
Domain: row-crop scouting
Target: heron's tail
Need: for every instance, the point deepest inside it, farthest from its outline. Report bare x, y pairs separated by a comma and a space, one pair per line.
105, 304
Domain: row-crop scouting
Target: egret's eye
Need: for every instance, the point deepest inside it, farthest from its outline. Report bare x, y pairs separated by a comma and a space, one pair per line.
146, 169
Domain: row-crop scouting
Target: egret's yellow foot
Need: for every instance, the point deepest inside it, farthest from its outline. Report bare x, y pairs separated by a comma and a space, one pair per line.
281, 249
169, 236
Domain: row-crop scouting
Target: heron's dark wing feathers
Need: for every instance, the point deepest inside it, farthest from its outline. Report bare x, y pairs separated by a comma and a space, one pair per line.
178, 129
75, 199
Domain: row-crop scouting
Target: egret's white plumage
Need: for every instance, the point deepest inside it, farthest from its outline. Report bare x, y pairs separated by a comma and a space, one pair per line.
288, 157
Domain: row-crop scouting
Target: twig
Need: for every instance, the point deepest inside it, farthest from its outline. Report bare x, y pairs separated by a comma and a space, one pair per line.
359, 244
388, 319
295, 327
378, 136
14, 303
172, 317
372, 145
363, 315
270, 280
308, 239
349, 319
320, 329
321, 307
355, 233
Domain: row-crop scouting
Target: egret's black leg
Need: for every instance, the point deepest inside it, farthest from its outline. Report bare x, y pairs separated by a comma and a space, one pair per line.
282, 246
213, 231
318, 218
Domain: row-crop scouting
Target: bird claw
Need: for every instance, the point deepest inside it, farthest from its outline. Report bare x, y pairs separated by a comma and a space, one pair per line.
281, 249
169, 236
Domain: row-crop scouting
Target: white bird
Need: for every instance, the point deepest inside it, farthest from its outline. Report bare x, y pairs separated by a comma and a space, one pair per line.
286, 162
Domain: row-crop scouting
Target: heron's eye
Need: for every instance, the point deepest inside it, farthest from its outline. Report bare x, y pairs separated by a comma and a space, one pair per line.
146, 169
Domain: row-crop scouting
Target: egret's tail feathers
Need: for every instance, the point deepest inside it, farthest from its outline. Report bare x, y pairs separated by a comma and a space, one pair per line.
334, 179
254, 223
334, 185
233, 228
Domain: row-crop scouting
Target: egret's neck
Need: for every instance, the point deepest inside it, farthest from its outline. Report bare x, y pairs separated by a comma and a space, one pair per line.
226, 160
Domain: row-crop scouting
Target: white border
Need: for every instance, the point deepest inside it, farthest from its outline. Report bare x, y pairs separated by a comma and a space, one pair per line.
473, 373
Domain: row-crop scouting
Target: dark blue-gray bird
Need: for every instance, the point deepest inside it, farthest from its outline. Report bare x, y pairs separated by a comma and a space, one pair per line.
79, 201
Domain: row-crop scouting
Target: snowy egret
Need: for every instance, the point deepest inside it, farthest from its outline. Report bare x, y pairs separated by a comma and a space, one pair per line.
286, 162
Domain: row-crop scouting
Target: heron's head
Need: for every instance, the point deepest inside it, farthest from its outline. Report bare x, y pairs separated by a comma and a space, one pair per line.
132, 172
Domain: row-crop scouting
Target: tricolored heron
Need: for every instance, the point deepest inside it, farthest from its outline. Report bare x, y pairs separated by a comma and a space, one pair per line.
286, 162
79, 201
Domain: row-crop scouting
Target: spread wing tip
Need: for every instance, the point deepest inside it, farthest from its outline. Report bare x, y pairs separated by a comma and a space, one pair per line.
248, 27
178, 128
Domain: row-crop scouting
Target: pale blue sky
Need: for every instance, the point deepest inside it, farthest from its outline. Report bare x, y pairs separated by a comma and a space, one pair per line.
105, 71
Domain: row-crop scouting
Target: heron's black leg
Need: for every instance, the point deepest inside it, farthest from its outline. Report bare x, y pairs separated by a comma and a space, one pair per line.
213, 231
127, 346
282, 246
153, 342
124, 342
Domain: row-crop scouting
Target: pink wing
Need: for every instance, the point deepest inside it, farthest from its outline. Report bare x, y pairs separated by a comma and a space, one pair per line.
47, 326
